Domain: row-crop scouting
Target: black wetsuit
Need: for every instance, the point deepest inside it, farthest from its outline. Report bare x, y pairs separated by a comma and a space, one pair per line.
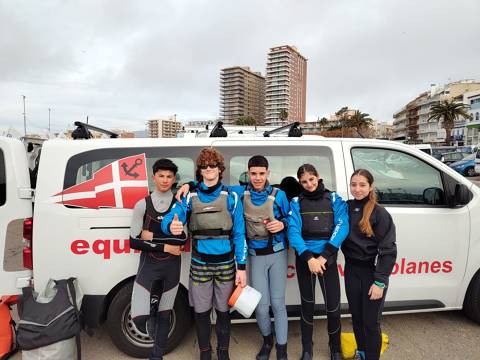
158, 275
368, 259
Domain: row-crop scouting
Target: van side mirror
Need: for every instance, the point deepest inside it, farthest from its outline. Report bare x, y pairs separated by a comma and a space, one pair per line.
462, 195
433, 196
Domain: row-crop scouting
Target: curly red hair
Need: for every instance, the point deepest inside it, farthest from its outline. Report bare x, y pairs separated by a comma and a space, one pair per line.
209, 156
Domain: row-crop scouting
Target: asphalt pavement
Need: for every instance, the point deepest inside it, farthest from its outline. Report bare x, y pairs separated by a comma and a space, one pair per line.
441, 335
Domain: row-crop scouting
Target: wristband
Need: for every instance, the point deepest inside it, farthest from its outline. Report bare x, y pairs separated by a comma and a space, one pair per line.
379, 284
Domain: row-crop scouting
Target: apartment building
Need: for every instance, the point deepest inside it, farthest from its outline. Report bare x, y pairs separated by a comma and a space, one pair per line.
242, 94
286, 86
163, 128
472, 127
412, 124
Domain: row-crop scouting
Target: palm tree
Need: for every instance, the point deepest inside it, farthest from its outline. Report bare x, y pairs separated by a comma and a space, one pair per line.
246, 120
322, 123
283, 115
359, 121
448, 111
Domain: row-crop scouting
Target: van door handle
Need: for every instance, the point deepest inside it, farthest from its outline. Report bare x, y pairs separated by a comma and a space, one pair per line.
92, 223
25, 193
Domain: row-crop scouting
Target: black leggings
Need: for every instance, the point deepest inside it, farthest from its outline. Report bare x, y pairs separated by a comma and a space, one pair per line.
365, 312
330, 285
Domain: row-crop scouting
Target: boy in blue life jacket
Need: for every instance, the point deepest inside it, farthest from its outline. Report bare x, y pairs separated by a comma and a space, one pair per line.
218, 241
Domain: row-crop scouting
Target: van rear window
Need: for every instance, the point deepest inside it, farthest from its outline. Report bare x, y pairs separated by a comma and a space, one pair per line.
3, 180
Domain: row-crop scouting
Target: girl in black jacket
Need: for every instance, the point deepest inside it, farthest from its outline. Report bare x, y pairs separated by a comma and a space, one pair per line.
370, 253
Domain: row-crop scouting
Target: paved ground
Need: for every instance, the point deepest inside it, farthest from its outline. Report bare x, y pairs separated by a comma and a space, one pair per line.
444, 335
475, 180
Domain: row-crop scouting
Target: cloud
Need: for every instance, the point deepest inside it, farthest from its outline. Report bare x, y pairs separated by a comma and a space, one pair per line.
121, 62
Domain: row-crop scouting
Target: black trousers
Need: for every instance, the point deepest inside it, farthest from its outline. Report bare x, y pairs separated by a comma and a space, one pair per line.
365, 312
330, 285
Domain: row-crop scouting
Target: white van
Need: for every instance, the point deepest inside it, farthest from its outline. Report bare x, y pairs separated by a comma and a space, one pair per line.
435, 210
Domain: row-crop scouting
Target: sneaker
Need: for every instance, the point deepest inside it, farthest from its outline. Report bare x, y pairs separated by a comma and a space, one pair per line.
336, 356
306, 356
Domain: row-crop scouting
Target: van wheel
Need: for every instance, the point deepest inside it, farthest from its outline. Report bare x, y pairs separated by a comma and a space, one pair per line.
470, 172
129, 339
471, 304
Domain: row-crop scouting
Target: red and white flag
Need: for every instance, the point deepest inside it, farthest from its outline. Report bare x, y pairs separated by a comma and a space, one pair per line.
120, 184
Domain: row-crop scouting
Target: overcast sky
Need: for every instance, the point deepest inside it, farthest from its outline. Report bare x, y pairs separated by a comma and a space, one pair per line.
122, 62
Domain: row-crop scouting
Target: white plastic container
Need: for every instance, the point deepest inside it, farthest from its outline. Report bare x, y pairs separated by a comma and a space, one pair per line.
244, 300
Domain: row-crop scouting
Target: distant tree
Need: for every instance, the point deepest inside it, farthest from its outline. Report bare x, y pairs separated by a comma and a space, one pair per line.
283, 115
342, 111
448, 111
322, 123
245, 120
360, 122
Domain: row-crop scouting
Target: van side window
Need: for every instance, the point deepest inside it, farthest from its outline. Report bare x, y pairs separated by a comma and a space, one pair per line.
283, 162
400, 178
3, 180
82, 166
185, 170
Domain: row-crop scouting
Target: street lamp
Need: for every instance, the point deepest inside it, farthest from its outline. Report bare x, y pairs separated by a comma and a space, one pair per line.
24, 118
49, 121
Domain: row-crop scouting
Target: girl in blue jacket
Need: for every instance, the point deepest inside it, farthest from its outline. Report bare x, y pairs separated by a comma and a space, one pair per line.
317, 226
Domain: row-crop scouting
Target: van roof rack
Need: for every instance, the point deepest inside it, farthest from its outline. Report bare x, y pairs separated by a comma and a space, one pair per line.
82, 131
218, 130
294, 130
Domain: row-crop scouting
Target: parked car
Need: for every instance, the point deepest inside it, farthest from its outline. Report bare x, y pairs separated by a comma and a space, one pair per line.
452, 157
477, 162
466, 166
437, 152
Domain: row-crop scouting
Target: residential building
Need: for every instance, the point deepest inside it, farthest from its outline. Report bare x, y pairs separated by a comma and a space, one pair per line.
412, 124
472, 127
163, 128
286, 86
242, 94
383, 130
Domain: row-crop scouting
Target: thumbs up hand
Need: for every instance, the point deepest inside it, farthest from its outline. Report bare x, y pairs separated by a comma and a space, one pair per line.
176, 227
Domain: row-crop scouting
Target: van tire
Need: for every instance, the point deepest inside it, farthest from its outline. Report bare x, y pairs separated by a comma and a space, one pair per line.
131, 341
471, 304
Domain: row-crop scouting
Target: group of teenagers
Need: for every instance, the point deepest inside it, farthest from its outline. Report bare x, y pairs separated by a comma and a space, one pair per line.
230, 225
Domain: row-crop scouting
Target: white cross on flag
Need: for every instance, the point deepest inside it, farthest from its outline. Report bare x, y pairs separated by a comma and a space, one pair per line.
120, 184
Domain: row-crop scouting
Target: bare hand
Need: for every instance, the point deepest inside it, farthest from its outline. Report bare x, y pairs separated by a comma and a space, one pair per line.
183, 191
172, 249
176, 227
146, 235
322, 262
275, 226
375, 292
241, 278
314, 266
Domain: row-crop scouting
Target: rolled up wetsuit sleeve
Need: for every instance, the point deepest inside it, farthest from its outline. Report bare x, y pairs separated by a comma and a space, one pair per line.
341, 226
384, 230
238, 230
179, 208
294, 231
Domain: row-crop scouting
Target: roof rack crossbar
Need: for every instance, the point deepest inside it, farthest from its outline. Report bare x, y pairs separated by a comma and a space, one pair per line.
82, 131
294, 130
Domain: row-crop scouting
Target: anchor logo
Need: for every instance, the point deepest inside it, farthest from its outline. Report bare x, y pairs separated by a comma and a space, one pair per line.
129, 172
